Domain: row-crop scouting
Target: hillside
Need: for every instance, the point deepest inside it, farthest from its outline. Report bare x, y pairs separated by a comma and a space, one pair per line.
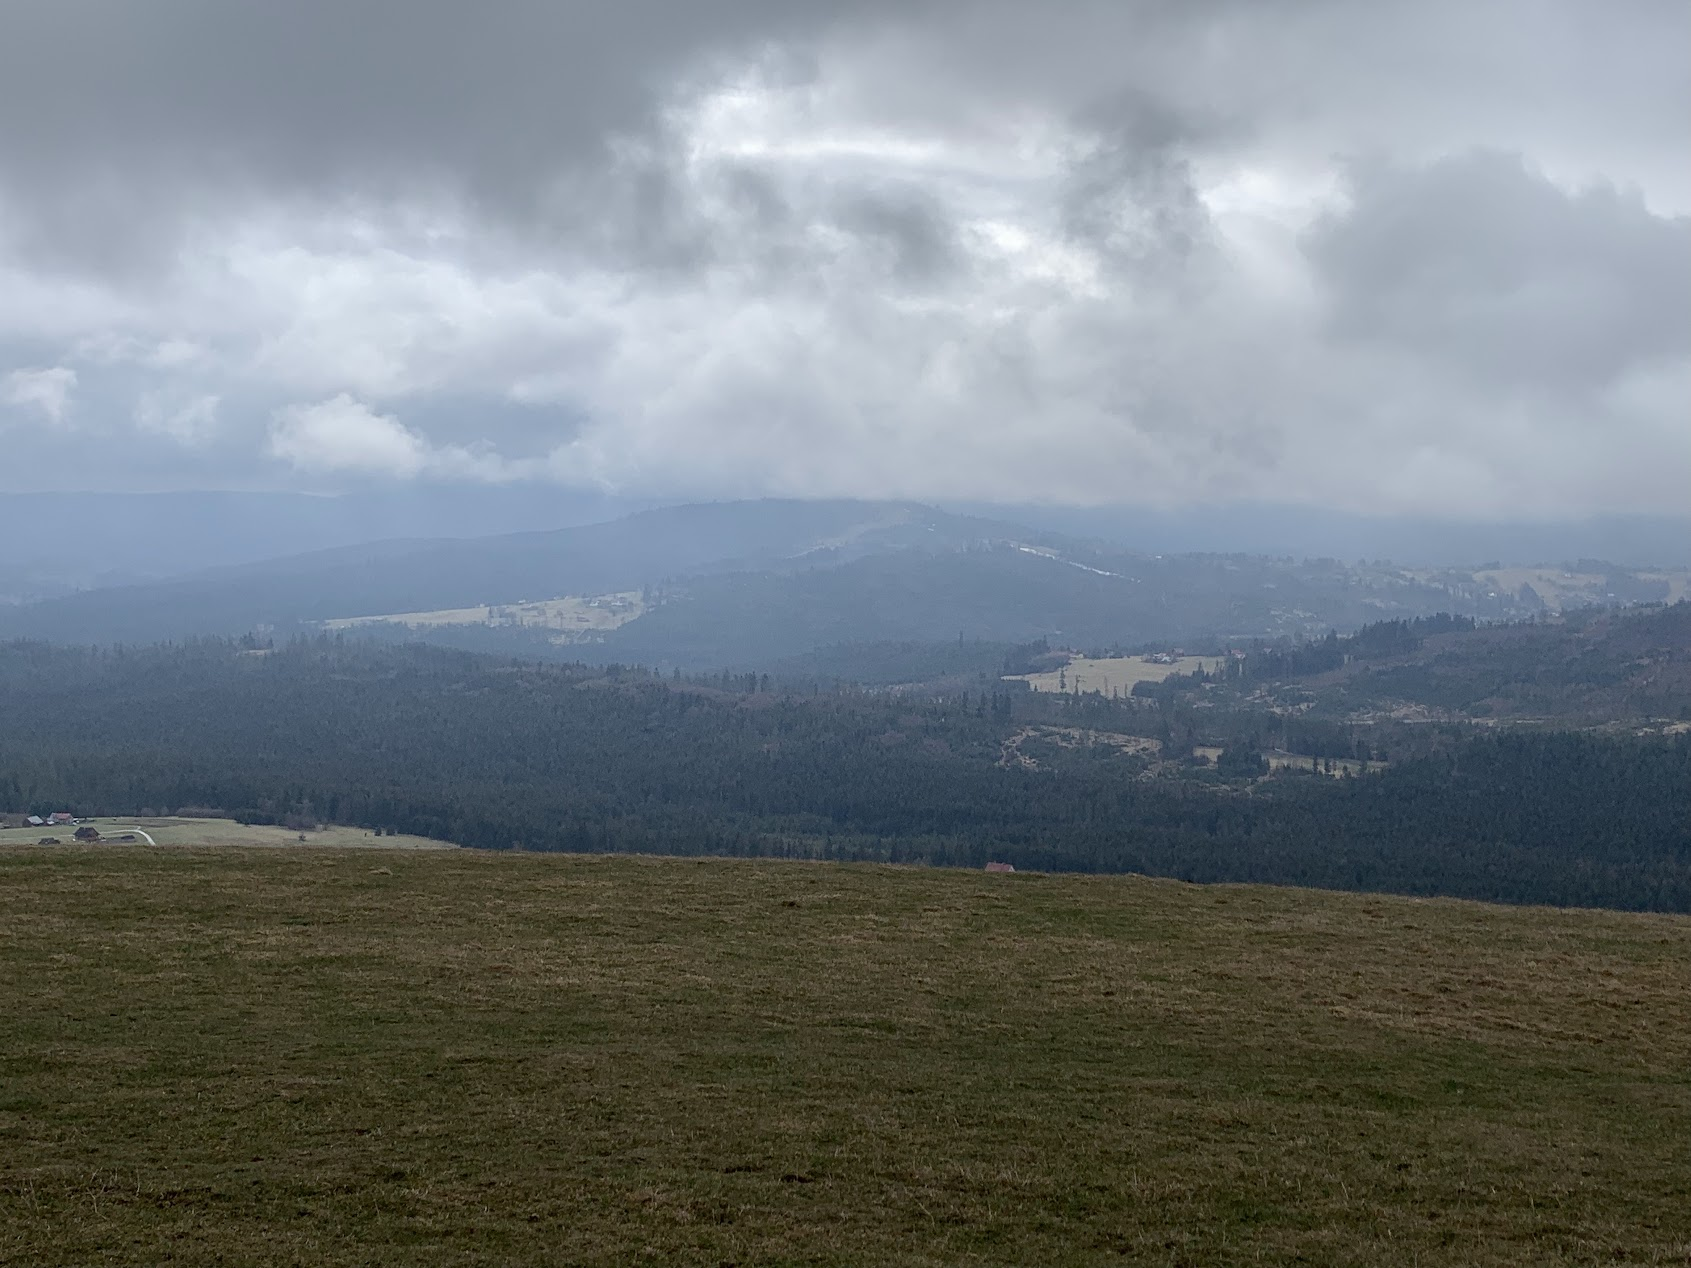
494, 754
57, 541
1588, 668
411, 575
744, 584
254, 1057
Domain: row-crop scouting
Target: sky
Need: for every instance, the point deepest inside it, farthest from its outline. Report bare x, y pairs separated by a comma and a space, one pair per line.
1428, 257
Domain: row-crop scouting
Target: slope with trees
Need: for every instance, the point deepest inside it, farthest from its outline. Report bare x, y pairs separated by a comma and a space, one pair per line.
498, 754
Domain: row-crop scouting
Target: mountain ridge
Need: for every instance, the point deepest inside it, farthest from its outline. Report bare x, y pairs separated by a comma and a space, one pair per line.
750, 582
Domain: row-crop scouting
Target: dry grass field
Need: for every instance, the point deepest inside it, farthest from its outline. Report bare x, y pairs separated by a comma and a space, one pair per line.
1557, 588
572, 616
1111, 674
320, 1057
1560, 589
216, 832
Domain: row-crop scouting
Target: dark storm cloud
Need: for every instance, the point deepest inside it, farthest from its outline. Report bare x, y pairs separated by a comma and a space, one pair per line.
914, 236
130, 124
1411, 252
127, 120
1132, 197
331, 90
1481, 262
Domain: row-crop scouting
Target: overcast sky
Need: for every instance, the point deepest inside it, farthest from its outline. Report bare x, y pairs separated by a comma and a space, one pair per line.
1400, 257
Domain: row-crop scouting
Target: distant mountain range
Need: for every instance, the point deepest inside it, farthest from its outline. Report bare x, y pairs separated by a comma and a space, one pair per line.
745, 584
54, 543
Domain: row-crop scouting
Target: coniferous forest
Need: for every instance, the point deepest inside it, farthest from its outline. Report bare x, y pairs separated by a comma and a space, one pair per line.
499, 754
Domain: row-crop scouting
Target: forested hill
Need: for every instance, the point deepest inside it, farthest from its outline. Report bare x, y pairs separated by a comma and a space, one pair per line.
1589, 667
740, 585
412, 575
499, 754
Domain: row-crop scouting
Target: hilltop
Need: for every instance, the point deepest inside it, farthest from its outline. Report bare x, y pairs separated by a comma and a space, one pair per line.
751, 584
384, 1058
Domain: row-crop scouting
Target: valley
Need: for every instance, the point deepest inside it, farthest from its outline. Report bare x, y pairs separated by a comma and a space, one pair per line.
1205, 779
845, 635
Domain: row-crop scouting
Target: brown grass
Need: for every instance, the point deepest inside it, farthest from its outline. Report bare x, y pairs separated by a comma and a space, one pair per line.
221, 832
1113, 673
312, 1057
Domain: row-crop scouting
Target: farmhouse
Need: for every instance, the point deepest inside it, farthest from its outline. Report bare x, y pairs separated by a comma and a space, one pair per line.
36, 821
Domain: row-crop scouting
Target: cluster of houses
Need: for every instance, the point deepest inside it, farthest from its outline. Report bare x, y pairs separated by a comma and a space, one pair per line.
1179, 654
85, 832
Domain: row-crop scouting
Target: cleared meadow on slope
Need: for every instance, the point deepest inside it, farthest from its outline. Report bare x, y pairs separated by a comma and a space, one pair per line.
1112, 674
352, 1057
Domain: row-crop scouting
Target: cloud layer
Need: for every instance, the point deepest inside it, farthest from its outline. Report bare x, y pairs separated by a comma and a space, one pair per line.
1430, 257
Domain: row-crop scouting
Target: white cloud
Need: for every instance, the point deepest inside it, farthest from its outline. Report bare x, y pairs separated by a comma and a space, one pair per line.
47, 391
187, 421
343, 435
1120, 256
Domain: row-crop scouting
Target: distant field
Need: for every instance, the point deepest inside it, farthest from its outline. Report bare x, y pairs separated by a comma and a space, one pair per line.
1111, 674
1560, 589
571, 615
1678, 583
301, 1057
205, 832
1278, 759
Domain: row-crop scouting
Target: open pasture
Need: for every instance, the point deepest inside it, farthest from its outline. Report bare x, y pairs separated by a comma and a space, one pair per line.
332, 1057
572, 616
1111, 674
221, 832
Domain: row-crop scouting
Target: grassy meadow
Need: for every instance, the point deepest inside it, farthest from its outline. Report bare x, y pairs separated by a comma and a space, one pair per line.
337, 1057
223, 832
572, 614
1112, 673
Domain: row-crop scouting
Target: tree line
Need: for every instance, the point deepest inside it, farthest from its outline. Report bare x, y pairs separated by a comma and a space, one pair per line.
501, 754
